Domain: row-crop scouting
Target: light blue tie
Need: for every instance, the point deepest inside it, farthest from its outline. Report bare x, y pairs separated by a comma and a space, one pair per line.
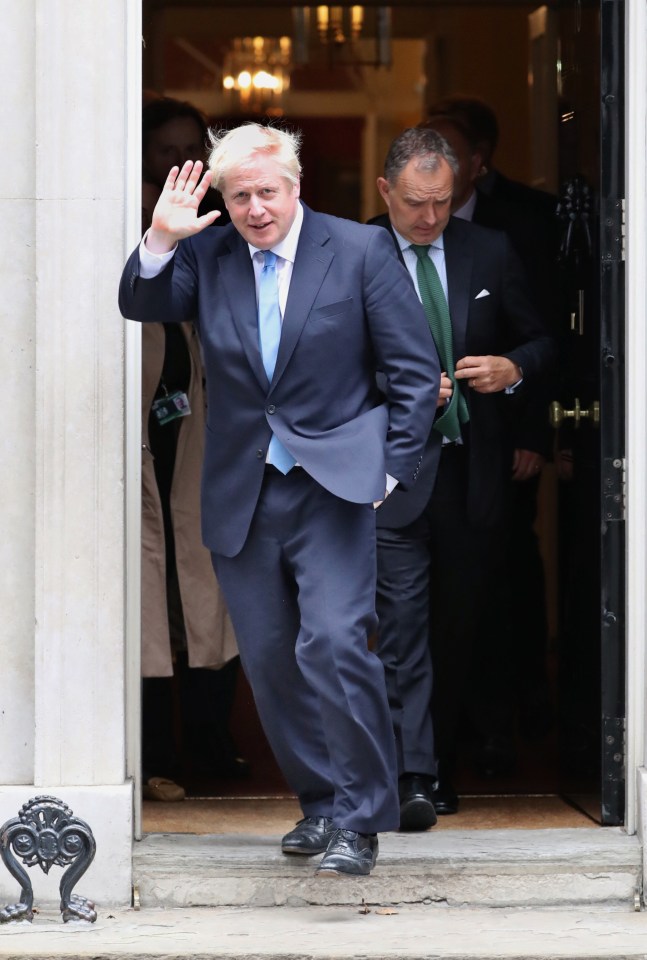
269, 334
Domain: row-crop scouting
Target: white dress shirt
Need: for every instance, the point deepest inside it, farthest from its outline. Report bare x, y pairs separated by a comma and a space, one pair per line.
286, 252
466, 212
436, 255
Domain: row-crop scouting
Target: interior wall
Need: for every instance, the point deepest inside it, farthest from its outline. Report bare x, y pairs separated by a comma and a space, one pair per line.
483, 51
464, 54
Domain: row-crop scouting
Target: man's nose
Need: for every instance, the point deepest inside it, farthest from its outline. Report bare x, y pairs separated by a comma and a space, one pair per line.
256, 208
430, 216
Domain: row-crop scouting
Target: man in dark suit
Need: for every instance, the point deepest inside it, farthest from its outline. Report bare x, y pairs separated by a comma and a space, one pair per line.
295, 311
525, 214
519, 674
479, 118
446, 534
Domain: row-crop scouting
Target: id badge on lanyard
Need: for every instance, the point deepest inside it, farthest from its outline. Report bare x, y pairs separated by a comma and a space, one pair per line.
171, 407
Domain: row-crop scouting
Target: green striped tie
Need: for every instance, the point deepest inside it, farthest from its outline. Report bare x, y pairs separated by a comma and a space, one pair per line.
435, 304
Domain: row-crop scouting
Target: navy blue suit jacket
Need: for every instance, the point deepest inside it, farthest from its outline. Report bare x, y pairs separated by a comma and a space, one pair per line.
492, 313
351, 309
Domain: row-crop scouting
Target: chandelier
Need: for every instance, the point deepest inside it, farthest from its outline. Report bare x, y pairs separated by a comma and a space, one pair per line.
339, 24
256, 70
345, 35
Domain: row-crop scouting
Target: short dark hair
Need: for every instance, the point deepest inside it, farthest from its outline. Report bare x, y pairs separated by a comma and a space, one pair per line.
164, 109
421, 143
456, 123
474, 113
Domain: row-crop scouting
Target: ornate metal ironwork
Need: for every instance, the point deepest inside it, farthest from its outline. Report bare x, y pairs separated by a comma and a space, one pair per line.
575, 210
45, 833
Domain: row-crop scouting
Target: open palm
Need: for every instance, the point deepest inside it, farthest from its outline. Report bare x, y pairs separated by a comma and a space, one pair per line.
176, 212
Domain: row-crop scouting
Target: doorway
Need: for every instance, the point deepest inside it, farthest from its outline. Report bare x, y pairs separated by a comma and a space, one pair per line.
349, 108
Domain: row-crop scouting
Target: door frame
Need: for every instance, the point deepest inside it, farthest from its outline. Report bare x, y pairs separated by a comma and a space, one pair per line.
132, 412
635, 399
636, 406
612, 385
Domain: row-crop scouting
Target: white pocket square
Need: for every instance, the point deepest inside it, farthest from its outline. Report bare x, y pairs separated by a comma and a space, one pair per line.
483, 293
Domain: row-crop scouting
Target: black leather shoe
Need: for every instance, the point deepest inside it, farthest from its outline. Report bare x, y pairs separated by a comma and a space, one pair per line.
310, 836
416, 806
349, 854
445, 798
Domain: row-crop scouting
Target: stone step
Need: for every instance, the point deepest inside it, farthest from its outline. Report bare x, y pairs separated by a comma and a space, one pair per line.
409, 932
486, 868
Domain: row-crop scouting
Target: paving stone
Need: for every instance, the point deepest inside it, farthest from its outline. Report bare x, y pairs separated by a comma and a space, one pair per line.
414, 932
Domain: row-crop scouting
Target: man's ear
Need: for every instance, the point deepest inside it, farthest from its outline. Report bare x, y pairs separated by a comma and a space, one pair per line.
485, 153
476, 166
383, 188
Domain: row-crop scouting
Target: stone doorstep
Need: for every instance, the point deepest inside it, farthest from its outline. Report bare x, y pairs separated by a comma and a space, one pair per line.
487, 868
409, 932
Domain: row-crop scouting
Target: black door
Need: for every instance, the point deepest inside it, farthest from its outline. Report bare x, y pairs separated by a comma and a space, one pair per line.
590, 415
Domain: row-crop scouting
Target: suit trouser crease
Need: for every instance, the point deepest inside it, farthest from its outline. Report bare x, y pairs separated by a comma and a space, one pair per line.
435, 590
301, 594
466, 563
403, 613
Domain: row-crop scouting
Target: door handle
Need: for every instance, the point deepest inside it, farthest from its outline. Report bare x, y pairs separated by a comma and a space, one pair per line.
558, 413
577, 316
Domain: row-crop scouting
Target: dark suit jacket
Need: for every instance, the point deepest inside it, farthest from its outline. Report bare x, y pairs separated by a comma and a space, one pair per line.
532, 231
499, 187
503, 322
535, 239
323, 403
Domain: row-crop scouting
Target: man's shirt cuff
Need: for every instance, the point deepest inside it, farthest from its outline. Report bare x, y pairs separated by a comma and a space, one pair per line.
513, 387
152, 264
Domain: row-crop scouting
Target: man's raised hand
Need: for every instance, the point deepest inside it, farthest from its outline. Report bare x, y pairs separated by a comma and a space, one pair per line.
176, 212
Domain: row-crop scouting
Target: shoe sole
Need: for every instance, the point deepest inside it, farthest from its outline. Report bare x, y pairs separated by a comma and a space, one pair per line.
328, 871
417, 816
298, 852
329, 874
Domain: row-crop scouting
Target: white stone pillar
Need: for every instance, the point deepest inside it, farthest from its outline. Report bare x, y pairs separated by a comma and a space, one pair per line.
63, 236
17, 374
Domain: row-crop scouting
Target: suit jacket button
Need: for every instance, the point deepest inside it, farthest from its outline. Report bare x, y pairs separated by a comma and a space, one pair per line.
271, 408
260, 454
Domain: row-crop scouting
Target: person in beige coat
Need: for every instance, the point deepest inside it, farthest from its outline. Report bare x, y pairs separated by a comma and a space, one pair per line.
186, 630
208, 631
188, 651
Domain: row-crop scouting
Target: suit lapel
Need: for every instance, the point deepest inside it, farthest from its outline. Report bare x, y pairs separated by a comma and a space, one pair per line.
311, 264
458, 263
237, 275
383, 221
